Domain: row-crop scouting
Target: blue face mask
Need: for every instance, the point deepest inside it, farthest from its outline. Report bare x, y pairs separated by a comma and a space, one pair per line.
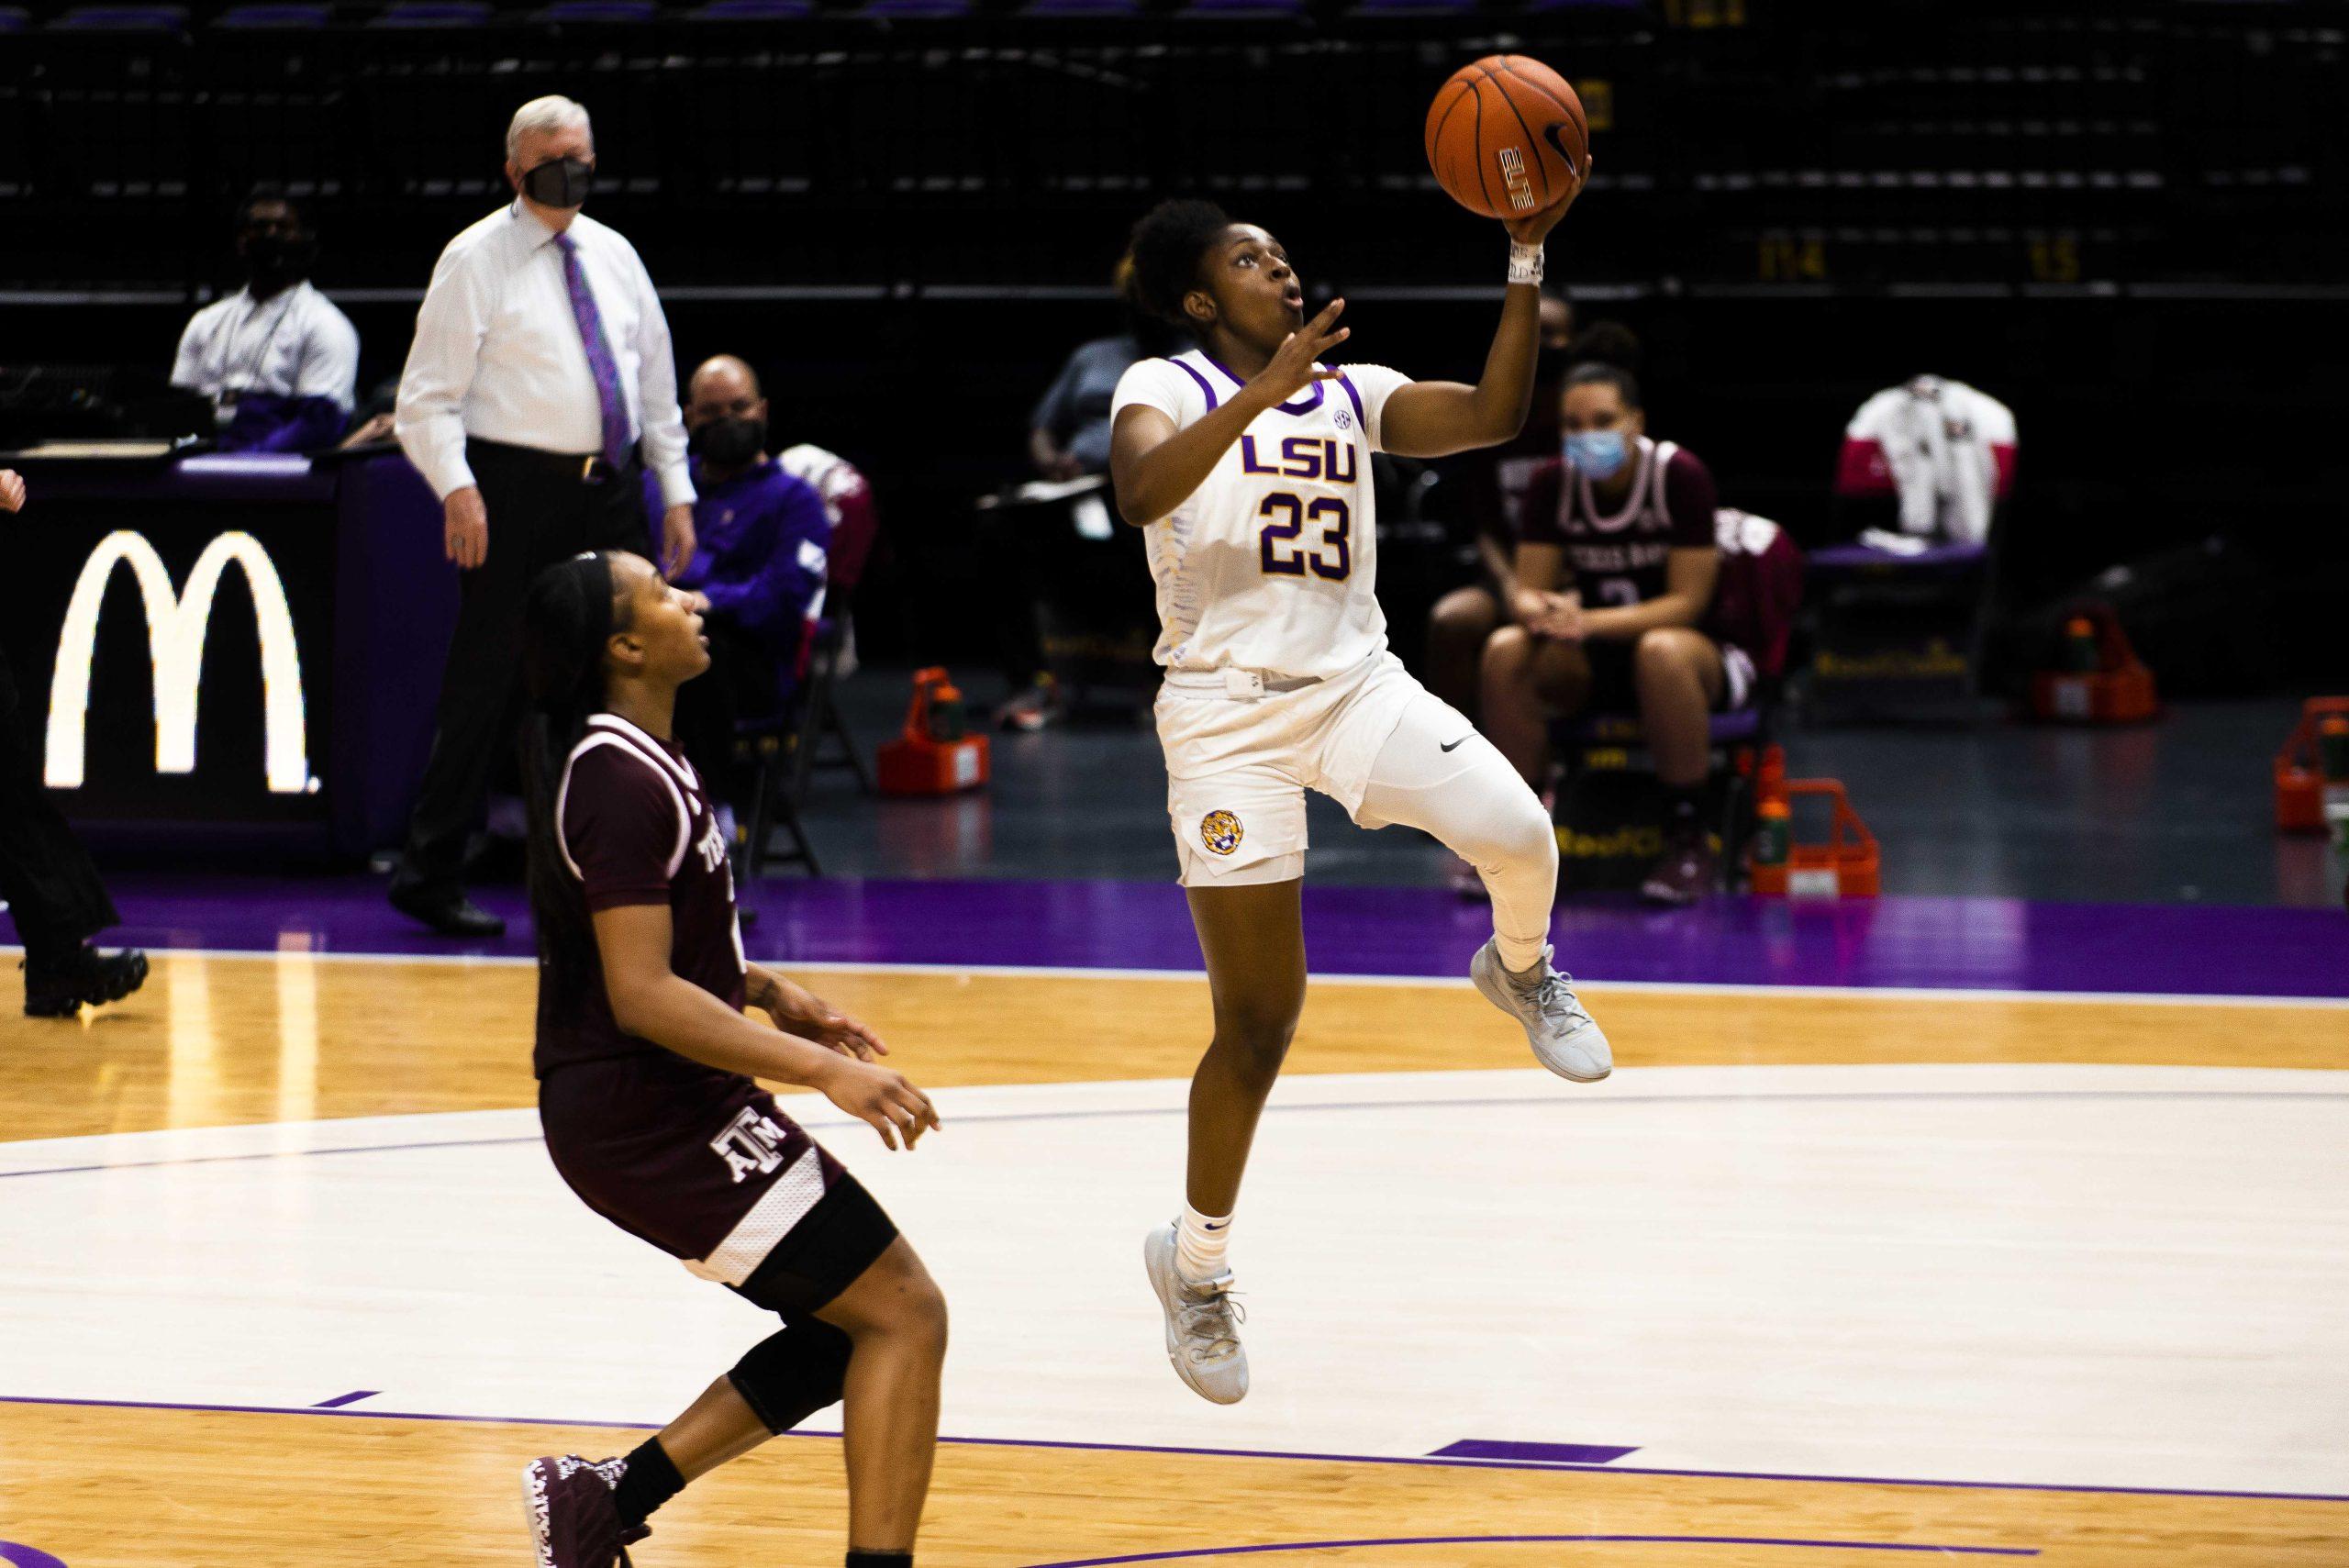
1599, 453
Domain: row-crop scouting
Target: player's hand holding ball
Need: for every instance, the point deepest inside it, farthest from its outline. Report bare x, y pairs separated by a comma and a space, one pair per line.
1507, 138
1535, 229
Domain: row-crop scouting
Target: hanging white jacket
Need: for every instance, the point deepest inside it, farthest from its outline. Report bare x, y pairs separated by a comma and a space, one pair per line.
1945, 449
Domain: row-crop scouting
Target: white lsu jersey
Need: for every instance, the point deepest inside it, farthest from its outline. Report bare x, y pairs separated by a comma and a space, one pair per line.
1272, 564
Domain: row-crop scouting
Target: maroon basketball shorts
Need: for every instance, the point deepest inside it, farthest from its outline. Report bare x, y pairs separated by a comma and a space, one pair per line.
704, 1165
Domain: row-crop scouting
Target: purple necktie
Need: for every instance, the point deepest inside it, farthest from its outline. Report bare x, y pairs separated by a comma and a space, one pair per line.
600, 363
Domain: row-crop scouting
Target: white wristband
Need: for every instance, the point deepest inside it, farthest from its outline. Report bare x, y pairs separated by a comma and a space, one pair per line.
1524, 264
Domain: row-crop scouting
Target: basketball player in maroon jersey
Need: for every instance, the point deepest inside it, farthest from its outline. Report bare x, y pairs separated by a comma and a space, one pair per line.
647, 1065
1614, 574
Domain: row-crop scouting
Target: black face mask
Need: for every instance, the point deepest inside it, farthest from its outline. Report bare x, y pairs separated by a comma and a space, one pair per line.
564, 182
271, 260
730, 443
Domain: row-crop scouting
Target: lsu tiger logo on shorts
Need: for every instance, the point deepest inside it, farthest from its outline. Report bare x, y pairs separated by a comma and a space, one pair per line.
1220, 832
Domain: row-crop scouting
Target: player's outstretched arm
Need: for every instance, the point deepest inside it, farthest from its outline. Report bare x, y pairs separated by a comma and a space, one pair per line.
651, 1001
1154, 467
1436, 418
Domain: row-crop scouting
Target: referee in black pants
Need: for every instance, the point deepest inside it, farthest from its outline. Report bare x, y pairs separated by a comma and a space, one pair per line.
540, 386
52, 889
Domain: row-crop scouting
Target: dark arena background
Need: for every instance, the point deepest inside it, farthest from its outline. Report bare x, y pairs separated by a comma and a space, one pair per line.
1974, 1178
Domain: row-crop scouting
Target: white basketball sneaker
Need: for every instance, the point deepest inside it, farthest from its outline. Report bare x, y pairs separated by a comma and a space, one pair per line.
1202, 1323
1562, 1033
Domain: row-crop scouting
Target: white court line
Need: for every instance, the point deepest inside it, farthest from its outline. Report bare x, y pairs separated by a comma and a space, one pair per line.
1525, 1088
1080, 972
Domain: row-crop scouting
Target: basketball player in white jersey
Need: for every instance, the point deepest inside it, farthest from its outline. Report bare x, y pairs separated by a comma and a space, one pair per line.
1247, 461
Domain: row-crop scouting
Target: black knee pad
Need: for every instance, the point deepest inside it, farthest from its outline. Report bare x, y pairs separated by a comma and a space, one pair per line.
789, 1376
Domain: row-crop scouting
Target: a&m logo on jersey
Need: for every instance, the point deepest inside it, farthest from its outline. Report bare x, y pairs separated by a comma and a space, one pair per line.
1220, 832
750, 1145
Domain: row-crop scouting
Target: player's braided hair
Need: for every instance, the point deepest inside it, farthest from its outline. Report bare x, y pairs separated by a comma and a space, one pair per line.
1167, 245
570, 614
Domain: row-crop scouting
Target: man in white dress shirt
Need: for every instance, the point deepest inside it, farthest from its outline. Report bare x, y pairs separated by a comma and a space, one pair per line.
279, 361
540, 388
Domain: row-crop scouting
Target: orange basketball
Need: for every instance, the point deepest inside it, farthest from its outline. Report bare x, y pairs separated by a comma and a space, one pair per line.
1506, 135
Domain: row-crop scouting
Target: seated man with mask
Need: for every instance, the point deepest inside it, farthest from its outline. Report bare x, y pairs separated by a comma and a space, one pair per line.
762, 543
279, 361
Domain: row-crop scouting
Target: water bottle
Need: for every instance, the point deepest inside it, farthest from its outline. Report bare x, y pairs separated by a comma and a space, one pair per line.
2332, 762
2080, 655
1773, 832
946, 718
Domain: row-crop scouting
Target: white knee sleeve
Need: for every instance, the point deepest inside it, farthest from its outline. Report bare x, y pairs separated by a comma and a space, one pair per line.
1436, 773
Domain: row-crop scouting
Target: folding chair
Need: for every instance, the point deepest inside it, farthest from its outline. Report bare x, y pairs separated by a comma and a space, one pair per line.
831, 745
1898, 634
785, 748
1611, 743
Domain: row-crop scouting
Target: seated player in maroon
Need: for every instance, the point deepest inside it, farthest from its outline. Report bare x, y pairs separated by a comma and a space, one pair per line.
648, 1067
1613, 577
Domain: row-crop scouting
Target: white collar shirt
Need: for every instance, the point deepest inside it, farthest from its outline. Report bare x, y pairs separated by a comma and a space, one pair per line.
498, 353
292, 344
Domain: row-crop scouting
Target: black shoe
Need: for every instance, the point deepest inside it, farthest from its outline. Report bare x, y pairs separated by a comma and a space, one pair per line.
57, 989
452, 913
1684, 873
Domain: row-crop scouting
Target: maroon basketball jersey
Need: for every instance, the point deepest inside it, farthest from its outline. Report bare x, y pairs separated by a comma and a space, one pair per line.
635, 826
1618, 555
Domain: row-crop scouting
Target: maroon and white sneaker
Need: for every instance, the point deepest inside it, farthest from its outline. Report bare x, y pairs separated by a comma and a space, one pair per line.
568, 1501
1685, 873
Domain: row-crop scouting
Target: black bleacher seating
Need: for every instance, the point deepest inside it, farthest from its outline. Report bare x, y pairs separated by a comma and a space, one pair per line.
2007, 146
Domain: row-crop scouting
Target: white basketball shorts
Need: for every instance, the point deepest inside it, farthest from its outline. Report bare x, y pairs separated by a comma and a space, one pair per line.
1238, 764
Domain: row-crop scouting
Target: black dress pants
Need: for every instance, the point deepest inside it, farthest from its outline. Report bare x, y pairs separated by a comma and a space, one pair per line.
51, 888
541, 511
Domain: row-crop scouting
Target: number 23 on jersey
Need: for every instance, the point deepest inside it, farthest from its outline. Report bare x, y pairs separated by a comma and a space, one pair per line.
1281, 547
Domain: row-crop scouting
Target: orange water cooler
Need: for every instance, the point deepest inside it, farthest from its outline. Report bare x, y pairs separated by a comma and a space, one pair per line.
1848, 864
2099, 679
2312, 770
932, 755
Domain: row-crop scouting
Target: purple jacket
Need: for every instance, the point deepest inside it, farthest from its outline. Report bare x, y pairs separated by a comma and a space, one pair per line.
760, 545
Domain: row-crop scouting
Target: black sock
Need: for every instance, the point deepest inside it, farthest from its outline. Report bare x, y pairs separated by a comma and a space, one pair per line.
1680, 808
651, 1480
879, 1559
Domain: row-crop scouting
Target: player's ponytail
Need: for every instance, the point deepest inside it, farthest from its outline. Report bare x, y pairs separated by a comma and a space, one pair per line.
568, 617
